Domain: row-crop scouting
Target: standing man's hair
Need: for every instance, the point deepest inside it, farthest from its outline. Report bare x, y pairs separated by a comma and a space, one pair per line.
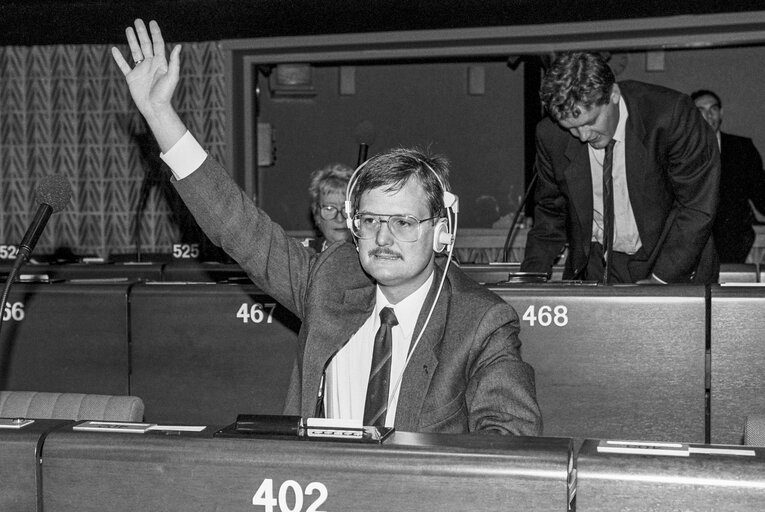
576, 79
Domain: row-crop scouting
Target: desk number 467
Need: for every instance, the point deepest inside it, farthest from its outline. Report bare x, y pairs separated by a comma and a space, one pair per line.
289, 492
546, 315
257, 312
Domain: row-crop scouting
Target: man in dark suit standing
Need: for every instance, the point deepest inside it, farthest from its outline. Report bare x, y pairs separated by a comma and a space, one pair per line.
662, 179
742, 180
449, 349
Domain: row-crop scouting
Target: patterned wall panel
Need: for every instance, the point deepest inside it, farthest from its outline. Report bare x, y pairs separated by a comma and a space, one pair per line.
66, 109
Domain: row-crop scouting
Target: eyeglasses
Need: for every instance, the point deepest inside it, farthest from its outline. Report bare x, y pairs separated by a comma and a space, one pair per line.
329, 212
404, 228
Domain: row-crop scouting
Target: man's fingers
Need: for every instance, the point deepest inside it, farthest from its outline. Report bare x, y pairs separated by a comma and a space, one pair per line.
144, 40
156, 37
120, 60
135, 48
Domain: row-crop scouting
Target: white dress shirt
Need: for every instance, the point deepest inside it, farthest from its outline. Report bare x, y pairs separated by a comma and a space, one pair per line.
185, 156
626, 236
347, 375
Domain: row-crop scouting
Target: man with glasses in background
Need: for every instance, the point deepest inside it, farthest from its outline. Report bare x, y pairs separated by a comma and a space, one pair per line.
327, 190
389, 336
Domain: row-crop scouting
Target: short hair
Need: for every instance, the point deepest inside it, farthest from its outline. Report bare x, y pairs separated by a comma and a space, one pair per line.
393, 169
705, 92
573, 79
330, 177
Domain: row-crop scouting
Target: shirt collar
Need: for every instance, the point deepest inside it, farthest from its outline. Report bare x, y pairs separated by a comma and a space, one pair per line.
408, 310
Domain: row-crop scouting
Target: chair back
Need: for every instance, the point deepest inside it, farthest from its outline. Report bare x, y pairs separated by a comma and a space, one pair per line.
70, 406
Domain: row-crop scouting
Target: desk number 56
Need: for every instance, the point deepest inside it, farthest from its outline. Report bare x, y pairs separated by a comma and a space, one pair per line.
546, 315
289, 491
256, 313
13, 311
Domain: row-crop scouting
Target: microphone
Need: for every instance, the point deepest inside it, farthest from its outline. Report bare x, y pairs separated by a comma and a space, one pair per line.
513, 227
364, 134
53, 194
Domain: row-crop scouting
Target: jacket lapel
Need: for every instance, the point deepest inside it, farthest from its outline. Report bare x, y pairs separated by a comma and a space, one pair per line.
357, 305
636, 160
578, 178
419, 371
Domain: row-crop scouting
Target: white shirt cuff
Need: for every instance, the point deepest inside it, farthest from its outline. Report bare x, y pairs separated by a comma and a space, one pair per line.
185, 156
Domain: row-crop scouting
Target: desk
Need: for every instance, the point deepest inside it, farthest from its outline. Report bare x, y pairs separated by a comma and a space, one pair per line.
125, 472
486, 245
64, 337
624, 362
713, 482
195, 272
83, 271
20, 450
203, 353
737, 359
491, 273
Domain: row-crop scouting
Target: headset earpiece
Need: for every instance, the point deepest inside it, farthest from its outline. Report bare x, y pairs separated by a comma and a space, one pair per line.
349, 196
348, 215
442, 239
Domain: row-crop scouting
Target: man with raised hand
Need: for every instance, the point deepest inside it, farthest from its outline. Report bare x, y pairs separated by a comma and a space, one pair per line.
389, 336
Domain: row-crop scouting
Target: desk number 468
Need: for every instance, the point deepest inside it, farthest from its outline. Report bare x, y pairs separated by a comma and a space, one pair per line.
289, 492
546, 315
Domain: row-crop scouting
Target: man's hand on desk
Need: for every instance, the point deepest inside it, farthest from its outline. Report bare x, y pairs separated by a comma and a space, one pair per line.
650, 280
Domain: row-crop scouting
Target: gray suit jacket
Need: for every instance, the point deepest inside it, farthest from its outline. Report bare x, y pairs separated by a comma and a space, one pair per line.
465, 375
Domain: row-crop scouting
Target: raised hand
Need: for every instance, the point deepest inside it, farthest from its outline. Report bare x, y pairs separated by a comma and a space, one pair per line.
152, 80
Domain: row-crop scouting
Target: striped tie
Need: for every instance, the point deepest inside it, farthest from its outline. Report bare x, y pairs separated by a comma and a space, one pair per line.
608, 210
376, 404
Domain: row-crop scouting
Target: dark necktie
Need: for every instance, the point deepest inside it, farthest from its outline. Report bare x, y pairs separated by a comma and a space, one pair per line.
379, 375
608, 209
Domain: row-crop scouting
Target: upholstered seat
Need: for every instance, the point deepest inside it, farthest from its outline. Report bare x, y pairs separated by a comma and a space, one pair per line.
70, 406
754, 430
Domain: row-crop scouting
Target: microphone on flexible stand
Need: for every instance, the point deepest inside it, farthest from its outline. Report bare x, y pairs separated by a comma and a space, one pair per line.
513, 225
53, 194
364, 134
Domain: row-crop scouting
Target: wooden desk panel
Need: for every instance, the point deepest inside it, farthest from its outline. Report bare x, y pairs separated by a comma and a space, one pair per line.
84, 271
737, 359
63, 337
203, 353
190, 271
19, 454
491, 273
116, 472
624, 362
699, 482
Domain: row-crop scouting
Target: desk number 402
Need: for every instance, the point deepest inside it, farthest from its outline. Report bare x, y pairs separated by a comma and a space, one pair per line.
546, 316
256, 313
289, 492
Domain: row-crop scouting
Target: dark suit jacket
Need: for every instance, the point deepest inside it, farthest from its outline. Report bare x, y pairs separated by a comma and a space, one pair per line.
466, 373
742, 180
673, 171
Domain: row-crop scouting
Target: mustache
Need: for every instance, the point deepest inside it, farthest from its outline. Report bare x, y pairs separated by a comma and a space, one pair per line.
383, 251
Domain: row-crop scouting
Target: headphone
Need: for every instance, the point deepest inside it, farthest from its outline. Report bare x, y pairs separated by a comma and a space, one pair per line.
443, 236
